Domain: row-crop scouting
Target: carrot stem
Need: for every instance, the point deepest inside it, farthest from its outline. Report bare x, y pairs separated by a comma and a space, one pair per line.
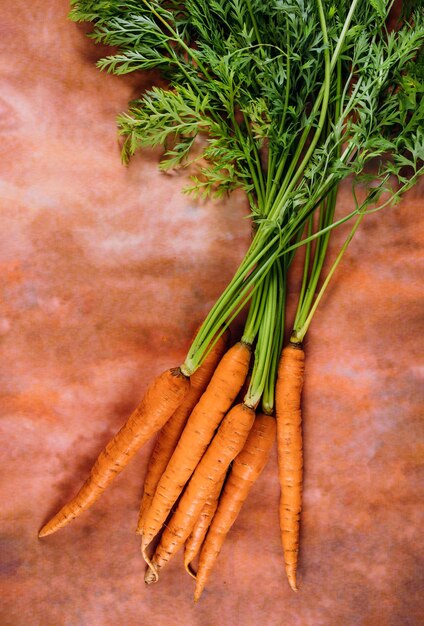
268, 399
263, 351
299, 333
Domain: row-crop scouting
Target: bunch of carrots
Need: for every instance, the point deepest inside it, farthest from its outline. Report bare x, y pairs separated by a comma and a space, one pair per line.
211, 449
291, 97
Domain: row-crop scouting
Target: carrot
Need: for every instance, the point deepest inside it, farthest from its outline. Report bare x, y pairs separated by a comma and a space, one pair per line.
246, 469
160, 401
222, 390
227, 443
171, 431
197, 535
290, 452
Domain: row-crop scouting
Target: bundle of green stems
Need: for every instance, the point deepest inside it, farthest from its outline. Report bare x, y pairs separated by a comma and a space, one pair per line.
293, 97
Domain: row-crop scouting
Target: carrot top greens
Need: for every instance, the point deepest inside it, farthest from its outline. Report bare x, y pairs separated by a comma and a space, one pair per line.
291, 97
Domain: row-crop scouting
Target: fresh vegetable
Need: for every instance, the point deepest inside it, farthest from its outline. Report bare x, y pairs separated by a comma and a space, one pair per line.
172, 429
158, 404
290, 452
227, 443
289, 389
221, 392
246, 469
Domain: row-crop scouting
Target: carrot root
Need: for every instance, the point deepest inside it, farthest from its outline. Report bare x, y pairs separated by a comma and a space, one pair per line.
290, 453
221, 392
225, 446
246, 469
170, 433
151, 576
152, 569
160, 400
198, 534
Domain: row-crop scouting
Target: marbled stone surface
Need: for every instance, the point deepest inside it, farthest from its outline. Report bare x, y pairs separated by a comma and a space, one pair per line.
105, 272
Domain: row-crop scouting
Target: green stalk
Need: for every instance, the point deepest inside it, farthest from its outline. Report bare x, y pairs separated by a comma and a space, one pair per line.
228, 297
288, 184
252, 268
326, 216
268, 396
263, 350
300, 332
253, 319
254, 23
233, 298
306, 263
271, 183
322, 245
292, 178
257, 162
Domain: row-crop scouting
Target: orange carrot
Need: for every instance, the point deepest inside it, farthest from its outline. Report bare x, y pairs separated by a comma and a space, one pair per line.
227, 443
160, 401
290, 452
223, 388
197, 535
171, 431
246, 469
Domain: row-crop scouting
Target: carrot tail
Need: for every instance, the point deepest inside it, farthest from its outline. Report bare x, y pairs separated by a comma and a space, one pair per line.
246, 469
290, 452
152, 571
160, 401
225, 446
171, 431
220, 394
197, 535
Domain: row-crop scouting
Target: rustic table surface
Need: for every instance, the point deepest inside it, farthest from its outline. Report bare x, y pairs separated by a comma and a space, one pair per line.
105, 272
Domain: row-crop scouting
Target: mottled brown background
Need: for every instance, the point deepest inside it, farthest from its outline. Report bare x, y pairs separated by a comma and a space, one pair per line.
105, 272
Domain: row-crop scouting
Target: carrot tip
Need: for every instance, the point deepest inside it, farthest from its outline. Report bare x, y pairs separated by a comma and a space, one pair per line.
44, 532
151, 575
197, 593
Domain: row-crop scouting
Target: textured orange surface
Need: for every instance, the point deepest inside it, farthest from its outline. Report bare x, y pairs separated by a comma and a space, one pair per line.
105, 273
